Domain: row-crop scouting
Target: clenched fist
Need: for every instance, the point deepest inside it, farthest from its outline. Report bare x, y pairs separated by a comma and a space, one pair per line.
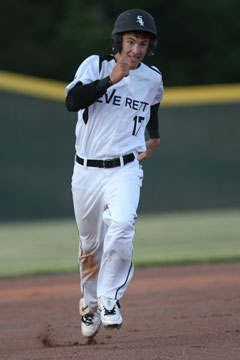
120, 71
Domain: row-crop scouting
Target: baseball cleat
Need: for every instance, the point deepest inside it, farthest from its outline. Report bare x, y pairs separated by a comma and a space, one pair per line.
90, 324
110, 314
91, 321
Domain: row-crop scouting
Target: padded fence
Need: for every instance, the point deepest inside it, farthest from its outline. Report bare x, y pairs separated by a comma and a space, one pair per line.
198, 162
197, 165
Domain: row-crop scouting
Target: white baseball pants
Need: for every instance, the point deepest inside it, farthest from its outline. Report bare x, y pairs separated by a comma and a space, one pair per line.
105, 205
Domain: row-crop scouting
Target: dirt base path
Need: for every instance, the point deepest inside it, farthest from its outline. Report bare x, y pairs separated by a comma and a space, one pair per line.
171, 313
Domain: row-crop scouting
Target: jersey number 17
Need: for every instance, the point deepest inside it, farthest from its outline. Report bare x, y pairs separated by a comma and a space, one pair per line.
137, 120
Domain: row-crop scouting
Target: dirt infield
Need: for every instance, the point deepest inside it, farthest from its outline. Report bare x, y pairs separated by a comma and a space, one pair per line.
187, 312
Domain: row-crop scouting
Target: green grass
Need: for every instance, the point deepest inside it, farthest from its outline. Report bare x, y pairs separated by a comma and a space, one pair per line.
207, 236
40, 247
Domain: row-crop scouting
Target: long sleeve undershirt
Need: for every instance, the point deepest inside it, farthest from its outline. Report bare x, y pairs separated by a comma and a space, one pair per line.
81, 96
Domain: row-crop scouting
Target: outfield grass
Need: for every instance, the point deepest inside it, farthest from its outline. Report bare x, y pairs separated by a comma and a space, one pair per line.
51, 246
207, 236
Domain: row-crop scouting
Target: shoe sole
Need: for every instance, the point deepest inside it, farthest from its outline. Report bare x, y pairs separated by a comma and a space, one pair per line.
112, 326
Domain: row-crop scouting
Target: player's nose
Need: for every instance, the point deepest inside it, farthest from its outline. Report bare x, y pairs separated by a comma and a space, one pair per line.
136, 49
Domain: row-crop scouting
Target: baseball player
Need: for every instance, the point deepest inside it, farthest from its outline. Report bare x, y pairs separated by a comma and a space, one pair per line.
116, 96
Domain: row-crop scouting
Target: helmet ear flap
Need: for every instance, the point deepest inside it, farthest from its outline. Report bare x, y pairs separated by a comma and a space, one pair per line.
152, 47
116, 41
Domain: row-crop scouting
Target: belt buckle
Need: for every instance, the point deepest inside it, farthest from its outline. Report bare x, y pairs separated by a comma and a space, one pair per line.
106, 163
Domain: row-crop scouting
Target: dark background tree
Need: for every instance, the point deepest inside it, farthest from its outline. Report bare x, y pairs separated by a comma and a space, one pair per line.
198, 40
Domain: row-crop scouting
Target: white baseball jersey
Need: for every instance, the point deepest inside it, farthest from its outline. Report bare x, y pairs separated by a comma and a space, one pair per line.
115, 124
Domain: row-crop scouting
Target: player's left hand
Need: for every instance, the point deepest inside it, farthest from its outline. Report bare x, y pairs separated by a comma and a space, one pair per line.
151, 146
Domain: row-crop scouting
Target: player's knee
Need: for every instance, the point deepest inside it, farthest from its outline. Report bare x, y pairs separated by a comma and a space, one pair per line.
124, 226
120, 236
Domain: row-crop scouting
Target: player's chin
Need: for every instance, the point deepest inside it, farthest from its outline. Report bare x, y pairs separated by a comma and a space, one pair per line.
133, 63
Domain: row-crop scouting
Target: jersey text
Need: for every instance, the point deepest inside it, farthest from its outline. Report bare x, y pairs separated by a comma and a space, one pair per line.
127, 102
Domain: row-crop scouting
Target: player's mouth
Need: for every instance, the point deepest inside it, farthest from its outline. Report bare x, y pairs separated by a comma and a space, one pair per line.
133, 57
134, 60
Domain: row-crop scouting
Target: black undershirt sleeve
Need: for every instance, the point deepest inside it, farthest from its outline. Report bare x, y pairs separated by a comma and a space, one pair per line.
152, 126
81, 96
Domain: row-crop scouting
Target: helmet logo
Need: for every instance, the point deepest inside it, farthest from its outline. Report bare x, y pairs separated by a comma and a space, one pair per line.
140, 20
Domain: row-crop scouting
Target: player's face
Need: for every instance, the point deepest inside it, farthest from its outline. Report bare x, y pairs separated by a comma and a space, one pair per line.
134, 48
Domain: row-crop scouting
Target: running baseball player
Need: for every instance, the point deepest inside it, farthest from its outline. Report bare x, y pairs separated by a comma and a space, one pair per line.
116, 96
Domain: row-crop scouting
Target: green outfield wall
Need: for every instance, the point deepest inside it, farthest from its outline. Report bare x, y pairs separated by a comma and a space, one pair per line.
198, 162
197, 165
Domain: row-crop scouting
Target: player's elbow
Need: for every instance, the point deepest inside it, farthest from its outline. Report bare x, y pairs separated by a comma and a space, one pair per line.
69, 103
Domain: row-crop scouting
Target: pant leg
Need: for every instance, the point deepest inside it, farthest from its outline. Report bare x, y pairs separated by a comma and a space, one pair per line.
122, 192
88, 208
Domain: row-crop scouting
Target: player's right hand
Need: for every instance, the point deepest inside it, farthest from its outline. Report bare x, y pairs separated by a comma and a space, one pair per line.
120, 71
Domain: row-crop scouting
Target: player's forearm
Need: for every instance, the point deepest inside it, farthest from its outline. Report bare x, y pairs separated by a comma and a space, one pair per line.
151, 146
82, 96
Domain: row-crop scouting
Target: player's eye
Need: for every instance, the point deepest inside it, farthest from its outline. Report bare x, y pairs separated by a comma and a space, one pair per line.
130, 42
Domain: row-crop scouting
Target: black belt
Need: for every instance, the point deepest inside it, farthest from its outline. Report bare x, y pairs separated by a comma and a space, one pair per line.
108, 163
